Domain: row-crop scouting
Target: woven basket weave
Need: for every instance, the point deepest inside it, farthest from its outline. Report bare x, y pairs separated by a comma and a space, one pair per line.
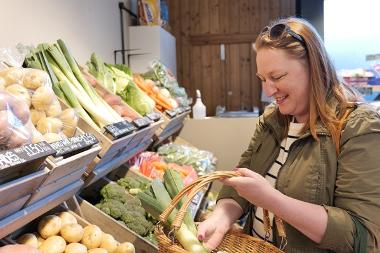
233, 242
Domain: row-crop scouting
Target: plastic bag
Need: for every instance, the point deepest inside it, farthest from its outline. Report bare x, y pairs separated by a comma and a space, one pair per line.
32, 86
14, 116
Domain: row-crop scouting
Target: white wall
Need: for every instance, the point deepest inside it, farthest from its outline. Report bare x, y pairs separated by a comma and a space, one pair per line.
351, 31
85, 25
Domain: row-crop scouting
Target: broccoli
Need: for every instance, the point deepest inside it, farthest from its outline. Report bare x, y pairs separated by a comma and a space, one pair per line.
114, 191
129, 182
112, 207
137, 222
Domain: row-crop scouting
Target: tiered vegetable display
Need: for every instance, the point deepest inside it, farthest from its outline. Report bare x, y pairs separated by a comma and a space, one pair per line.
58, 233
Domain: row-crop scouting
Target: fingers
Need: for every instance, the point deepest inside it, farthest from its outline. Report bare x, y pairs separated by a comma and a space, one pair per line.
214, 240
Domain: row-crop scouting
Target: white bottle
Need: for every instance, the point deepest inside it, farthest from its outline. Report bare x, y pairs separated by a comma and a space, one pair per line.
199, 109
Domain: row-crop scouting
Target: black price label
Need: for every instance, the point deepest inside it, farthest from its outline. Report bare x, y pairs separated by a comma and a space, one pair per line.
142, 122
73, 145
154, 116
120, 129
171, 113
25, 154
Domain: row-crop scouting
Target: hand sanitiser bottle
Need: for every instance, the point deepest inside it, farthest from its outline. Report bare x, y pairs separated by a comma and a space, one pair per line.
199, 109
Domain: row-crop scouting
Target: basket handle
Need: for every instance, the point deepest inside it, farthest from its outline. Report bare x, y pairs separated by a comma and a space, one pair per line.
195, 187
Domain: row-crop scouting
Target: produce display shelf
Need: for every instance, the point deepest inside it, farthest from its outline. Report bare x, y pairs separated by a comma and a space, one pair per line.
170, 127
116, 162
24, 216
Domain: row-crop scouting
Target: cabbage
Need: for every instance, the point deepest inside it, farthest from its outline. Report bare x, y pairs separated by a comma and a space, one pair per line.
137, 99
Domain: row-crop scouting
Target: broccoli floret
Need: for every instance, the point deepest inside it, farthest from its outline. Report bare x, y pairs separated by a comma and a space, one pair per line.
112, 207
114, 191
129, 182
133, 201
135, 208
137, 222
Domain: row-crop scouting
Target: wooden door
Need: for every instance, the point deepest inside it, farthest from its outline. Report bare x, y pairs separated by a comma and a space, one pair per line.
214, 48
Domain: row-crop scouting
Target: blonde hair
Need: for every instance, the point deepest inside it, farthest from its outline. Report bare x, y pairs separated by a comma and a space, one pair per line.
324, 81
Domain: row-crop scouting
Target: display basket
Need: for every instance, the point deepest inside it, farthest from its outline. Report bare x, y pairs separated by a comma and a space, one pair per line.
233, 242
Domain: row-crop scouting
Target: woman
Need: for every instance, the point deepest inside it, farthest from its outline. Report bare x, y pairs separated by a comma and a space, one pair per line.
312, 161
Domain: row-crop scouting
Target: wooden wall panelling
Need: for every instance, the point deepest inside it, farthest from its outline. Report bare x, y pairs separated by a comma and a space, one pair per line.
175, 29
195, 81
245, 76
233, 16
233, 77
206, 79
214, 11
184, 31
223, 16
217, 79
255, 82
204, 17
254, 17
195, 17
244, 13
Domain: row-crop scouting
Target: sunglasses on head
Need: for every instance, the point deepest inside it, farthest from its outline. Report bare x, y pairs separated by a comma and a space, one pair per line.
278, 31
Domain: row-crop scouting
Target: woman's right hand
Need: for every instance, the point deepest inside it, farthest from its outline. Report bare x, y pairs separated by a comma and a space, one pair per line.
18, 248
212, 230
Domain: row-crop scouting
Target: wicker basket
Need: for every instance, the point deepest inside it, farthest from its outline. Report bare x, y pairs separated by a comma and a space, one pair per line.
233, 242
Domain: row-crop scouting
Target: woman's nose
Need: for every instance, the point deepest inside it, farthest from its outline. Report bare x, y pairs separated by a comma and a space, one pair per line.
269, 88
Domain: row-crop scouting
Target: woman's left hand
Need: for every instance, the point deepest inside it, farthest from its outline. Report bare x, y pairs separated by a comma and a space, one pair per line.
254, 188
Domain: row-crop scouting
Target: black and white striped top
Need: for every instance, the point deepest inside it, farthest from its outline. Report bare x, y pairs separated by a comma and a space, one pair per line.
293, 134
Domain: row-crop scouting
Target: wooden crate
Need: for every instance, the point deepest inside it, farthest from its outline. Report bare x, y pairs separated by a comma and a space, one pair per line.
47, 189
22, 217
17, 192
111, 226
170, 127
102, 169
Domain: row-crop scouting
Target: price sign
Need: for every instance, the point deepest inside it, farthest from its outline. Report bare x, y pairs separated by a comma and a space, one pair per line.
119, 129
24, 158
171, 113
142, 122
73, 145
154, 116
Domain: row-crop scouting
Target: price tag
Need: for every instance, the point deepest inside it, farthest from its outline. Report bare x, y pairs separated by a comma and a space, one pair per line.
154, 116
14, 160
142, 122
119, 129
171, 113
74, 145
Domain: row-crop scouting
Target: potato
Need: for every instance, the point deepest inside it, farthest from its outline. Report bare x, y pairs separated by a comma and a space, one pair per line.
2, 83
21, 111
97, 250
28, 239
5, 127
52, 137
20, 92
67, 218
19, 137
109, 243
92, 237
72, 232
75, 248
125, 247
53, 244
12, 75
49, 225
70, 121
49, 125
35, 78
54, 109
36, 115
39, 239
42, 98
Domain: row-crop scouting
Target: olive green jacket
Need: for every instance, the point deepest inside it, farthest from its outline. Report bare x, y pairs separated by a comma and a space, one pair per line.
347, 185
